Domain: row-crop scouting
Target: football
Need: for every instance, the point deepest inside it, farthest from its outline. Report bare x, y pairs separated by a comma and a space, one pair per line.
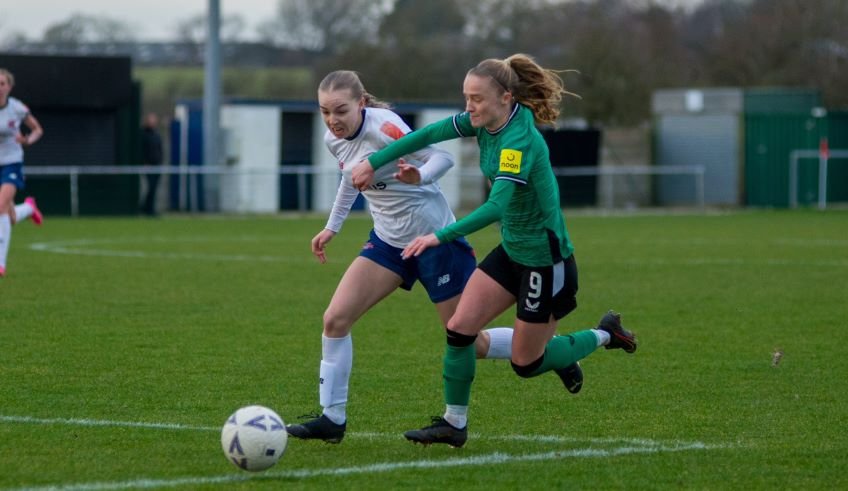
254, 438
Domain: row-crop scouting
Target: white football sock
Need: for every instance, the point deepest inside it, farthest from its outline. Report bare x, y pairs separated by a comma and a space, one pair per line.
457, 416
500, 343
23, 211
336, 363
5, 237
603, 337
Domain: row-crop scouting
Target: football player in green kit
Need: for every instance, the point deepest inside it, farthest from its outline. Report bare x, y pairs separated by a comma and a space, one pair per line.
533, 268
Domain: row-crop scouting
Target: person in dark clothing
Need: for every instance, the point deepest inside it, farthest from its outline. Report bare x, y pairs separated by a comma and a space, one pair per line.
151, 154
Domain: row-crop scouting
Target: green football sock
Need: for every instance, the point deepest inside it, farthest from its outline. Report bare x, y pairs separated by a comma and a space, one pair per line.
459, 366
562, 351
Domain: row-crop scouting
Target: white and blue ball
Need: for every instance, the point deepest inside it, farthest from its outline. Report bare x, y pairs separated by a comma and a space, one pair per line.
254, 438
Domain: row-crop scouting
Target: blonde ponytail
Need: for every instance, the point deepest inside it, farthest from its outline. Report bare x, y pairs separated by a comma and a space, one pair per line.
538, 88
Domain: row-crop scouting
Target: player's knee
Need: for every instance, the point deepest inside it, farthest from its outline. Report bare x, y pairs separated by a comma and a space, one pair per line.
527, 371
452, 324
455, 324
460, 340
336, 326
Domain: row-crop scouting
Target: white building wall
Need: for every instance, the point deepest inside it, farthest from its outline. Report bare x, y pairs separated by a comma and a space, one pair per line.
251, 146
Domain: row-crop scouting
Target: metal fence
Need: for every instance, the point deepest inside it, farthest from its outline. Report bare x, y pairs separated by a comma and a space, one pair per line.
185, 186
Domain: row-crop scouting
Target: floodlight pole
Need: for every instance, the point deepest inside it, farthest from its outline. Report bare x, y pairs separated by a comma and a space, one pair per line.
212, 89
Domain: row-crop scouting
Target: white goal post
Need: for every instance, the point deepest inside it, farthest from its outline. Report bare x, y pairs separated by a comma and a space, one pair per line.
186, 193
824, 157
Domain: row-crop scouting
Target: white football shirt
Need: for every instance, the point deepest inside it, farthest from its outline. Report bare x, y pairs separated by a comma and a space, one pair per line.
11, 116
400, 211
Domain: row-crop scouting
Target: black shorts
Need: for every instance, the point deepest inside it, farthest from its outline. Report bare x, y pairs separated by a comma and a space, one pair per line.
540, 291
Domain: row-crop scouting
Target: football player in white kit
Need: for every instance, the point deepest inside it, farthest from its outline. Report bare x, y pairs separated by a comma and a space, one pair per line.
12, 113
405, 202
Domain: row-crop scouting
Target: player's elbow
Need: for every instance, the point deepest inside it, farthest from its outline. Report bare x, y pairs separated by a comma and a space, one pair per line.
446, 157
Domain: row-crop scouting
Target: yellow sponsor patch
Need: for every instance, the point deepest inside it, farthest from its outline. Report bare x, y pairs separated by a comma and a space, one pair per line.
510, 161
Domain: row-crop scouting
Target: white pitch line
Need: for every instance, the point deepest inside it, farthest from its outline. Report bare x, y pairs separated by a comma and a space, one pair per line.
633, 445
102, 422
82, 247
476, 460
645, 442
355, 434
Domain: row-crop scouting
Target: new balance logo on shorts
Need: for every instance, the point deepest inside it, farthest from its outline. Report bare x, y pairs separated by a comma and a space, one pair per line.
443, 280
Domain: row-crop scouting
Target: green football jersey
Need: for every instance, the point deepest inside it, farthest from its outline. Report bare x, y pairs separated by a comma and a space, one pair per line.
524, 194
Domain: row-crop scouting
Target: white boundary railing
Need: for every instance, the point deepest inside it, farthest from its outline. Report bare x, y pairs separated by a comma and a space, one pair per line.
301, 171
696, 171
824, 157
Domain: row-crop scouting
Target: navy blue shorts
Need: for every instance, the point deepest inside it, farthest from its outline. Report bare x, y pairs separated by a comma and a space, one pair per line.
442, 270
12, 174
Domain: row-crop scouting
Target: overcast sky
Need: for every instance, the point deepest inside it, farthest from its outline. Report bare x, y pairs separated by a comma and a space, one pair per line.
151, 19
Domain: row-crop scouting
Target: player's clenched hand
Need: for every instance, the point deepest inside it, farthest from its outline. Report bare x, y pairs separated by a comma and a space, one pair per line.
362, 175
407, 173
419, 245
319, 242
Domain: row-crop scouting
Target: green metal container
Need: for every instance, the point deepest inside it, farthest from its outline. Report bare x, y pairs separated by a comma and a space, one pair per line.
837, 175
769, 142
776, 122
779, 100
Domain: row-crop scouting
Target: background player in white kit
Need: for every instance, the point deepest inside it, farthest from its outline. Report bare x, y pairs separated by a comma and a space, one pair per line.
404, 202
12, 113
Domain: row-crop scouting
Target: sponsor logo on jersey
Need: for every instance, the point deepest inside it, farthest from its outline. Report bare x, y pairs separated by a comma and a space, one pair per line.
510, 161
391, 130
341, 165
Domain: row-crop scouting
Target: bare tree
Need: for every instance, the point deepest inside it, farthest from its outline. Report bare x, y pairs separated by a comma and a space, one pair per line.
418, 53
784, 43
191, 32
80, 28
503, 27
323, 25
422, 20
193, 29
623, 49
12, 39
488, 21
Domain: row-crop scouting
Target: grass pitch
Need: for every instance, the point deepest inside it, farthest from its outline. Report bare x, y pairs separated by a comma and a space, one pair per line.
127, 342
